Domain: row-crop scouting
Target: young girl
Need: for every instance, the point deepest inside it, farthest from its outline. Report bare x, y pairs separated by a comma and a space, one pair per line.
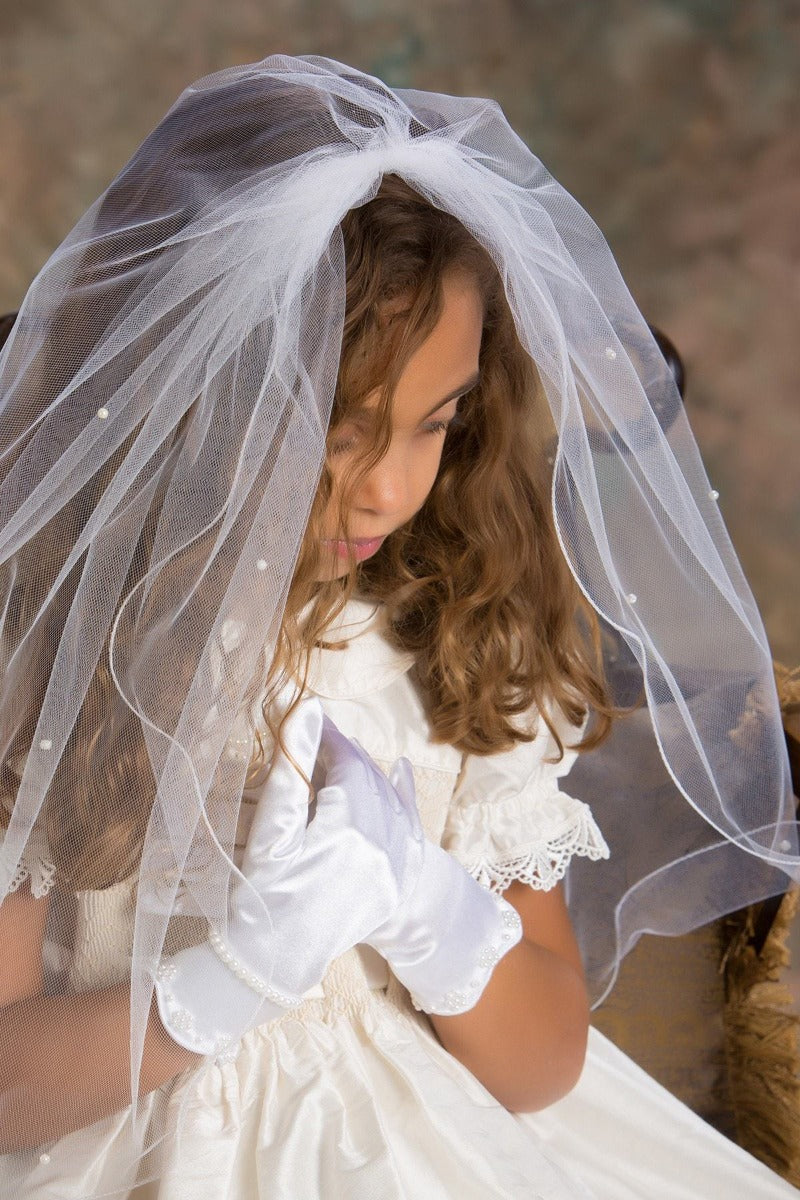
345, 495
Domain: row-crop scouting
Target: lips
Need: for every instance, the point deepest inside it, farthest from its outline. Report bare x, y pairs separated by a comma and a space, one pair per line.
360, 548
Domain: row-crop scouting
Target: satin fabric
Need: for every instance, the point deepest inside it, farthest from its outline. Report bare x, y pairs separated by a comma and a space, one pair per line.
366, 1105
351, 1096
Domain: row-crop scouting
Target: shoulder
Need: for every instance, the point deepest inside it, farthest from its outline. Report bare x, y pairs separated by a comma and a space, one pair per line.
533, 765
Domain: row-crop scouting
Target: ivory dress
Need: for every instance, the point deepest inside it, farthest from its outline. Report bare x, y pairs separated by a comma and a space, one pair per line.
351, 1096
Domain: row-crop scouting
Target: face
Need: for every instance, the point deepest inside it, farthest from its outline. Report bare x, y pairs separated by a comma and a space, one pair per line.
437, 375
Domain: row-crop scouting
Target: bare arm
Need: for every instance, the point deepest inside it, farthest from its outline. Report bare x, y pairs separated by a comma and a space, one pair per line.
525, 1039
64, 1060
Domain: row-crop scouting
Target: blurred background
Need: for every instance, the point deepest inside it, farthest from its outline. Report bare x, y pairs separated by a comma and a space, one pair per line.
676, 123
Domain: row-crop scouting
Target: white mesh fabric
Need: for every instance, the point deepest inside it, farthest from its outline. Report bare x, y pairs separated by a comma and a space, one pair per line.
165, 397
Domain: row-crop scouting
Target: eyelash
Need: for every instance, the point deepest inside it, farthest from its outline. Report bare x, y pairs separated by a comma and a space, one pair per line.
430, 427
340, 447
433, 427
438, 426
442, 426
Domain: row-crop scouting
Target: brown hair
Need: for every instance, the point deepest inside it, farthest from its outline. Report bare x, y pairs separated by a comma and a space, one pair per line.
495, 635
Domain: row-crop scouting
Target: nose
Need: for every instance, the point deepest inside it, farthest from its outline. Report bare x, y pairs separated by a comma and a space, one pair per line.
384, 490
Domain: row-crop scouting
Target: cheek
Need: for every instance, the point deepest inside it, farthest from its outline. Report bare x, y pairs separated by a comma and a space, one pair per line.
330, 505
425, 469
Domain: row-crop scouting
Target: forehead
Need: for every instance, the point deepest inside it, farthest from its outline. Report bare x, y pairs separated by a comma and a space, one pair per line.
448, 357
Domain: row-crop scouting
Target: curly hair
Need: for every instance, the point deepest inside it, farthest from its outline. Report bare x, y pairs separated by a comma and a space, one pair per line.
495, 636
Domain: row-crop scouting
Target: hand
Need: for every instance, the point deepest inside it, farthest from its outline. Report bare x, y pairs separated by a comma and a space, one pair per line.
306, 892
448, 932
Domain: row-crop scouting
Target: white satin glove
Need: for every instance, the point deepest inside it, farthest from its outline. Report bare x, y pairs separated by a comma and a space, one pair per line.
360, 871
447, 932
306, 893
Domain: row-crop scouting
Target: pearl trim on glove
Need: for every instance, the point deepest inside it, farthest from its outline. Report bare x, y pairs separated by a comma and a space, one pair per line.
181, 1024
238, 968
463, 999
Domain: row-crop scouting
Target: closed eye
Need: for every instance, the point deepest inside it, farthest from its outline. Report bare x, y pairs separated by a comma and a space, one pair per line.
440, 425
342, 445
348, 437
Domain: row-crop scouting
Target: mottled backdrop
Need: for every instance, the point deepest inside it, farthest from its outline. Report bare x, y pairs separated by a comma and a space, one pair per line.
675, 122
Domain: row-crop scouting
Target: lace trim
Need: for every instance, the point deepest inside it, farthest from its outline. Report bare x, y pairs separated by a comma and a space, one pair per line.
542, 866
40, 872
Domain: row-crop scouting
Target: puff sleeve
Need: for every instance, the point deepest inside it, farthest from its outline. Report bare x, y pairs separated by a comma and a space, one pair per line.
509, 819
34, 865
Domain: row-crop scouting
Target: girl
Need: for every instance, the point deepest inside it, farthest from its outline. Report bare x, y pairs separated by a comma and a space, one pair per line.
332, 420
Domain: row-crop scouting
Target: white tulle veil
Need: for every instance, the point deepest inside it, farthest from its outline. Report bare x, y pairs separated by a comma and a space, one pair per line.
210, 277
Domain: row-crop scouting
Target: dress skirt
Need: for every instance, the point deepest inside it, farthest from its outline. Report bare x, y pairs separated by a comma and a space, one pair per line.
356, 1099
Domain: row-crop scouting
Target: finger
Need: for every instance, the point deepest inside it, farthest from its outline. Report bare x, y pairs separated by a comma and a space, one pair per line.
349, 773
296, 753
401, 778
349, 770
279, 822
339, 755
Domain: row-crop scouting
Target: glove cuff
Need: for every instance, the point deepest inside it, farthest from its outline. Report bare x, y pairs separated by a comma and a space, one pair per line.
207, 1001
503, 934
447, 934
226, 955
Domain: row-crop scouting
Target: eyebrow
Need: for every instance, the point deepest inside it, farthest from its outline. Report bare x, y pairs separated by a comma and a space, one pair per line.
456, 392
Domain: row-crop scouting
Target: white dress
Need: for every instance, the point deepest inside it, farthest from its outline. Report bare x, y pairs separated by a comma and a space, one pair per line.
351, 1096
